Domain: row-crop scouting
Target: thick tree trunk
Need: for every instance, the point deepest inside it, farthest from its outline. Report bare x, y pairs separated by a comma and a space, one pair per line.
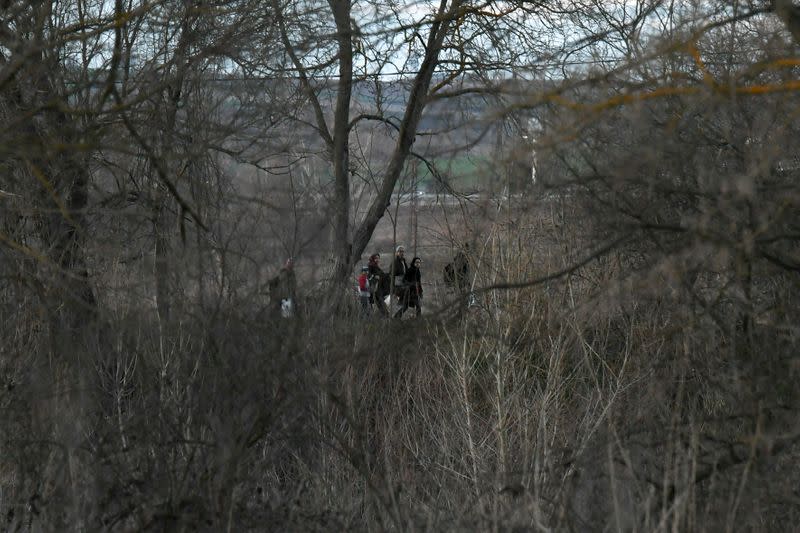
53, 185
64, 177
72, 245
347, 252
171, 157
341, 133
790, 15
161, 265
408, 128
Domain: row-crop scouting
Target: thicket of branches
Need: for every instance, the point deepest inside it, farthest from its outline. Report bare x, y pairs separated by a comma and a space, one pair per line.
629, 362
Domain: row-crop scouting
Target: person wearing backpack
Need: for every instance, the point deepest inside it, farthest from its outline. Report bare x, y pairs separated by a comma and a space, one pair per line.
378, 280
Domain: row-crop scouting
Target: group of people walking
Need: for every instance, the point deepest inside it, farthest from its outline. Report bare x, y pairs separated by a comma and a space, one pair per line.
404, 280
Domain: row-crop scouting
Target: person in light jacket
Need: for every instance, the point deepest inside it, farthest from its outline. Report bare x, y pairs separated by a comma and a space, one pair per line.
399, 269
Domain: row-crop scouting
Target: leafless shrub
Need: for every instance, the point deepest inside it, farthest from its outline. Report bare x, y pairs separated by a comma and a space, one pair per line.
620, 356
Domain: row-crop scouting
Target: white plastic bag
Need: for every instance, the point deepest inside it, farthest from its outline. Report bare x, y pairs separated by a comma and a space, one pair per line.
286, 308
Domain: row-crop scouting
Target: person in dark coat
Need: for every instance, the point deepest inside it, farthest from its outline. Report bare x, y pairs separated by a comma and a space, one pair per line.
378, 281
414, 286
283, 291
461, 269
399, 269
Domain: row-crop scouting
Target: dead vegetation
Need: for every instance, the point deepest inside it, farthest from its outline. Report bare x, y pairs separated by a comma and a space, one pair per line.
624, 358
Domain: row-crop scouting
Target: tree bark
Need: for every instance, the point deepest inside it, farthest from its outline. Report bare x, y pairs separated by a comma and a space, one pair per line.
347, 251
408, 128
62, 172
341, 207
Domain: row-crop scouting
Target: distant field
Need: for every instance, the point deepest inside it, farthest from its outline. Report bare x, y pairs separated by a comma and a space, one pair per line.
464, 173
438, 225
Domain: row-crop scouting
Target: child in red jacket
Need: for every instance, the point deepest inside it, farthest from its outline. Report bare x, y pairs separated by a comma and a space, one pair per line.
363, 291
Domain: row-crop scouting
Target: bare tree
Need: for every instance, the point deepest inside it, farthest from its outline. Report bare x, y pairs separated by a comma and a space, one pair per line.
629, 355
45, 168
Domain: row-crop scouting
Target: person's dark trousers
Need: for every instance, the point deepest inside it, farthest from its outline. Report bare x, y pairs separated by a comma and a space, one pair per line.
364, 300
380, 304
404, 302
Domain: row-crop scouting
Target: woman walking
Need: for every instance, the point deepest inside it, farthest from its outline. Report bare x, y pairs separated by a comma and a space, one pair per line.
413, 281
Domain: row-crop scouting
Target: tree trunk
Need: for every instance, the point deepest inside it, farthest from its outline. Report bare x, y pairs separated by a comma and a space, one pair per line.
63, 173
341, 133
161, 266
408, 128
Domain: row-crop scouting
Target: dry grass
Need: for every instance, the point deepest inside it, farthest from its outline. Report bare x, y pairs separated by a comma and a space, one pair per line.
564, 406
